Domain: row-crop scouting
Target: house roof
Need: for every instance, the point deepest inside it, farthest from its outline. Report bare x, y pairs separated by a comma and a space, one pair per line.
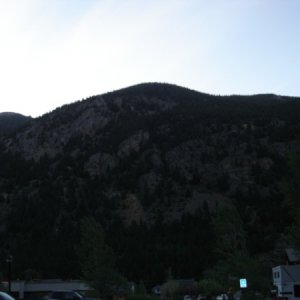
292, 272
293, 255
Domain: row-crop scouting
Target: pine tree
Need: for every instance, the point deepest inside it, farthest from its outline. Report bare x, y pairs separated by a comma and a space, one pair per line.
97, 259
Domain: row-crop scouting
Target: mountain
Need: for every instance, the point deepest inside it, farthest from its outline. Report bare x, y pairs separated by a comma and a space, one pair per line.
10, 122
153, 164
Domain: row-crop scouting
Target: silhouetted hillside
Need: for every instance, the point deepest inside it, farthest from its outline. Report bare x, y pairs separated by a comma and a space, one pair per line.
10, 122
156, 165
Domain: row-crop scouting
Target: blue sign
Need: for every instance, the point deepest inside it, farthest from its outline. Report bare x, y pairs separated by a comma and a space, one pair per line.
243, 283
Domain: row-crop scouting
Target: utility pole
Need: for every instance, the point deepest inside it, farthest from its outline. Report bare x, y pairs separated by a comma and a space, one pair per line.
9, 260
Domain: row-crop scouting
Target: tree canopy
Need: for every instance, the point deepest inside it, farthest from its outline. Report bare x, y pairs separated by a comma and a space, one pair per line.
97, 259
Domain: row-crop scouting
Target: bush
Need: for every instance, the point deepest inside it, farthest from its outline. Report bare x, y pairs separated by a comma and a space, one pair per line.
140, 297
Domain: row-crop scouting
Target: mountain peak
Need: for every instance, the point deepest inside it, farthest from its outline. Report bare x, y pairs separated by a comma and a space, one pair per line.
11, 121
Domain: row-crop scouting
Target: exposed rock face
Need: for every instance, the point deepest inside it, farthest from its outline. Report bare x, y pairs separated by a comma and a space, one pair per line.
132, 210
100, 164
133, 144
51, 133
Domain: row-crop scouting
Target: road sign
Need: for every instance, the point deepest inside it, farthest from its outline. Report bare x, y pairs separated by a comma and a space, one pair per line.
243, 283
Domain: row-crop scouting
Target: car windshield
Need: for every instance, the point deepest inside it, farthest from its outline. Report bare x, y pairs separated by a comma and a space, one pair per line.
78, 294
4, 296
65, 295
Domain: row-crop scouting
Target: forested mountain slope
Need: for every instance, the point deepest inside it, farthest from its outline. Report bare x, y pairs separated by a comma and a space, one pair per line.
154, 164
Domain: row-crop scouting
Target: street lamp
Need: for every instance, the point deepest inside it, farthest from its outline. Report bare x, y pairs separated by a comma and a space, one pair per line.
9, 260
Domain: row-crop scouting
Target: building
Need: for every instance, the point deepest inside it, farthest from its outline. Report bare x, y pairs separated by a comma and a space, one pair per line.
36, 289
286, 278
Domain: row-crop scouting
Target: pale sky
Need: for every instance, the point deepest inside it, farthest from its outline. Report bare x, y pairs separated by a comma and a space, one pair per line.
55, 52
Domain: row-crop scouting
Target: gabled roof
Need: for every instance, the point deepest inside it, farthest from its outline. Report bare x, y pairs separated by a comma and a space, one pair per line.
293, 255
292, 272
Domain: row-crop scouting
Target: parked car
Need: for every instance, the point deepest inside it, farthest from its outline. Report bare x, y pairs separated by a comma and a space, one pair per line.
65, 295
5, 296
201, 297
222, 297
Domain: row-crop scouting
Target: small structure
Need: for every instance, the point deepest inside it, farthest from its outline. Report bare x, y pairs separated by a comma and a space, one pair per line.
35, 289
286, 278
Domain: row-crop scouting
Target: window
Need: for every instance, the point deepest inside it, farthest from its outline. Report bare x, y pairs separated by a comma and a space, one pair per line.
297, 290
